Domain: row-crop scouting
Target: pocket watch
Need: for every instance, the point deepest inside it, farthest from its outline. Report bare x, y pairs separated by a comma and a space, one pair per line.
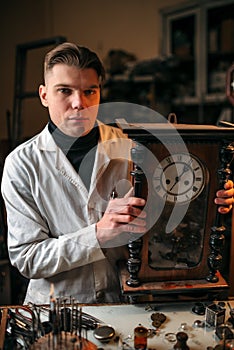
179, 178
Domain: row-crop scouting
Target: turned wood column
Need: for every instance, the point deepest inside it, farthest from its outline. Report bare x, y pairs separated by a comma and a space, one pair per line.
135, 245
217, 236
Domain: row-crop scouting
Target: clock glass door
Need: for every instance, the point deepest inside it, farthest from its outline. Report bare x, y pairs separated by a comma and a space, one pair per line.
179, 180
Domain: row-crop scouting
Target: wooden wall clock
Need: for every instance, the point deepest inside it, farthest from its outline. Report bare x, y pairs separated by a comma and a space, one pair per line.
178, 169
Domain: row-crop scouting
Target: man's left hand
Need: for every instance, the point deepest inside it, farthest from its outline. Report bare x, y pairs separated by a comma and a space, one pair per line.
224, 198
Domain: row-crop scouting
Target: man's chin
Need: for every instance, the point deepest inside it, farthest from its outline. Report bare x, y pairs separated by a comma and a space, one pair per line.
77, 129
79, 132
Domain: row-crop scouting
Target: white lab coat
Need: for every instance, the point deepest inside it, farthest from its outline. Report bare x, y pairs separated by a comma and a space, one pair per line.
51, 217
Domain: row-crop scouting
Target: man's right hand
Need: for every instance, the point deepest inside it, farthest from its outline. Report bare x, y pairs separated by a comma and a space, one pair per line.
121, 215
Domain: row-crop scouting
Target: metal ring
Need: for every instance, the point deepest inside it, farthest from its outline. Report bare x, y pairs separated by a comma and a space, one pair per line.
171, 337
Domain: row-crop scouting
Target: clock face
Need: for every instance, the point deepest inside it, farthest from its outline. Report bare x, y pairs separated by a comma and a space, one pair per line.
179, 178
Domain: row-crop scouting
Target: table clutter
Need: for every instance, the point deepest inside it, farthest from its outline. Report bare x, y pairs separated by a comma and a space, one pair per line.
65, 324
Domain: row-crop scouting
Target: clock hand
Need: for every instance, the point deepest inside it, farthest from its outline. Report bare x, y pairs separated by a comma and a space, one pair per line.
177, 179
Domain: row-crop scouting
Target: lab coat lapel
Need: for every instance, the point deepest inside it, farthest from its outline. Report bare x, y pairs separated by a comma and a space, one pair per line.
101, 163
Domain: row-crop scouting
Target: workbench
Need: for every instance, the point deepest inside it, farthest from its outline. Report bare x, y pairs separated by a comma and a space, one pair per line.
180, 316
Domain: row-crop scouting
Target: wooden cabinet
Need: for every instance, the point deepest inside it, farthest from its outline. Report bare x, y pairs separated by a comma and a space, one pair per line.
200, 34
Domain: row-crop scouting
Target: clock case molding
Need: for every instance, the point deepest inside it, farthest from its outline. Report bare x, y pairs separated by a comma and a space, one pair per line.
204, 230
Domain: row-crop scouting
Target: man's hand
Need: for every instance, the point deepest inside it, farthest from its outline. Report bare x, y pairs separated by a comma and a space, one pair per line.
121, 215
224, 198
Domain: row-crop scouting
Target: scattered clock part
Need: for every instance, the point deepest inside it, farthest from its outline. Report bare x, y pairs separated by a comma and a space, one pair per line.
231, 313
158, 319
184, 327
104, 333
215, 315
181, 343
199, 308
170, 337
199, 324
224, 332
221, 304
140, 337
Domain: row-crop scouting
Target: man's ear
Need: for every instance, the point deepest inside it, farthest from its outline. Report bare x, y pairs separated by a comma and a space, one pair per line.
43, 95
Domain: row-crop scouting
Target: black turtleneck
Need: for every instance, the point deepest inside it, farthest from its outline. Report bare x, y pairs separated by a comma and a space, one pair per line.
77, 150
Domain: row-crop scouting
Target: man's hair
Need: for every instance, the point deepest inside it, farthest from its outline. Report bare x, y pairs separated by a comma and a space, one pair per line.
74, 55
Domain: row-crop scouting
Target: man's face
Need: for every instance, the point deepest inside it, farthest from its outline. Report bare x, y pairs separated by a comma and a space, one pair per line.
72, 96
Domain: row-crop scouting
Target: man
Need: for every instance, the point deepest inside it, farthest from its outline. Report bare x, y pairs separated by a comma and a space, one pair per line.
63, 229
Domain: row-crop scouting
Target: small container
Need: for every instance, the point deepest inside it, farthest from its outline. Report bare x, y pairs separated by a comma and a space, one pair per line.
140, 337
104, 333
215, 315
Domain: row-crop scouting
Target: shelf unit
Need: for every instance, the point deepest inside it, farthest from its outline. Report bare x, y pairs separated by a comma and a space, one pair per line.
200, 34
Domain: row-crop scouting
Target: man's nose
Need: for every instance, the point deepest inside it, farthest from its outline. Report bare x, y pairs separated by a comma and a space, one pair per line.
77, 101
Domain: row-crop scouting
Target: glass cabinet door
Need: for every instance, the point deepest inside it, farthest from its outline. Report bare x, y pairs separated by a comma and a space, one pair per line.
181, 43
182, 33
220, 46
201, 37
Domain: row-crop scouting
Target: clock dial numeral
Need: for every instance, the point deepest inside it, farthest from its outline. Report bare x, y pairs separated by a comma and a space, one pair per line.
157, 188
198, 179
168, 160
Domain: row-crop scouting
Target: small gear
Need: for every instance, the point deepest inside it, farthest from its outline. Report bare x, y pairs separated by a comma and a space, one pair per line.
158, 319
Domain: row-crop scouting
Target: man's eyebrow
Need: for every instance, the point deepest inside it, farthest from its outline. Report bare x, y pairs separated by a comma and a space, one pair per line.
94, 86
61, 85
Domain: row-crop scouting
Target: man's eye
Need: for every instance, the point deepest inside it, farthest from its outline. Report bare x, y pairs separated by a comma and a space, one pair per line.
89, 92
64, 91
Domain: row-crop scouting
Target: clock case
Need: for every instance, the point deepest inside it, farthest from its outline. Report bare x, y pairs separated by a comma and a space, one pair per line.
202, 233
